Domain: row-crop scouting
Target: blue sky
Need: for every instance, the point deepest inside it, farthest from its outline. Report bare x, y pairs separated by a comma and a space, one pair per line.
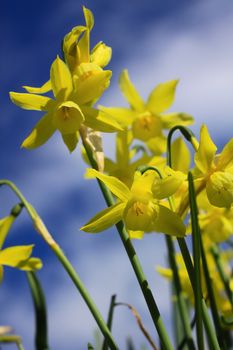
156, 41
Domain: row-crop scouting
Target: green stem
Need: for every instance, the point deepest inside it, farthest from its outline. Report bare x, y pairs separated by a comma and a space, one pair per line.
179, 294
225, 279
40, 227
197, 263
181, 241
213, 305
187, 133
110, 319
150, 301
41, 336
12, 339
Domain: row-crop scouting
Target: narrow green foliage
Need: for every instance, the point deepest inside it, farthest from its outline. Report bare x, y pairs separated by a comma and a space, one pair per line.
197, 263
212, 301
110, 319
41, 331
224, 278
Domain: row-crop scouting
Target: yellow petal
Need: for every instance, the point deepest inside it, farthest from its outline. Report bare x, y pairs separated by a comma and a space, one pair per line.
169, 223
122, 149
124, 116
219, 189
135, 234
139, 215
61, 79
100, 121
71, 140
5, 225
31, 101
43, 130
166, 187
101, 54
68, 117
83, 47
118, 188
205, 154
109, 166
46, 87
225, 159
14, 256
30, 264
180, 155
167, 273
70, 48
90, 83
157, 145
173, 119
105, 219
147, 126
162, 97
89, 18
130, 92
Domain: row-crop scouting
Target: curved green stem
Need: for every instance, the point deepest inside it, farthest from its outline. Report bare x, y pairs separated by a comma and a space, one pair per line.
148, 295
187, 133
41, 334
43, 231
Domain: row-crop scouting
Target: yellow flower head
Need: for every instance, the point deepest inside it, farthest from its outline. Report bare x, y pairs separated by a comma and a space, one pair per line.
68, 111
76, 84
146, 119
137, 207
76, 46
127, 160
215, 171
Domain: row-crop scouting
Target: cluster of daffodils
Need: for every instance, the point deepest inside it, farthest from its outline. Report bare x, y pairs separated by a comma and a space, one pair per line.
149, 194
76, 84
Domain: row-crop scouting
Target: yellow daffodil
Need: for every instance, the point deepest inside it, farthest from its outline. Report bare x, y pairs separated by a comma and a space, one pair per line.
67, 112
76, 46
85, 66
137, 207
215, 172
124, 166
18, 256
217, 223
146, 118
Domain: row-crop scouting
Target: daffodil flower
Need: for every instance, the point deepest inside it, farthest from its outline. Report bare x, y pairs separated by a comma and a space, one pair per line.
67, 112
137, 207
215, 171
18, 256
217, 223
76, 46
85, 66
125, 165
146, 118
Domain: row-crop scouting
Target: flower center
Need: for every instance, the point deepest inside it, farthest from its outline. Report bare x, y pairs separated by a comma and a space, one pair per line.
147, 126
